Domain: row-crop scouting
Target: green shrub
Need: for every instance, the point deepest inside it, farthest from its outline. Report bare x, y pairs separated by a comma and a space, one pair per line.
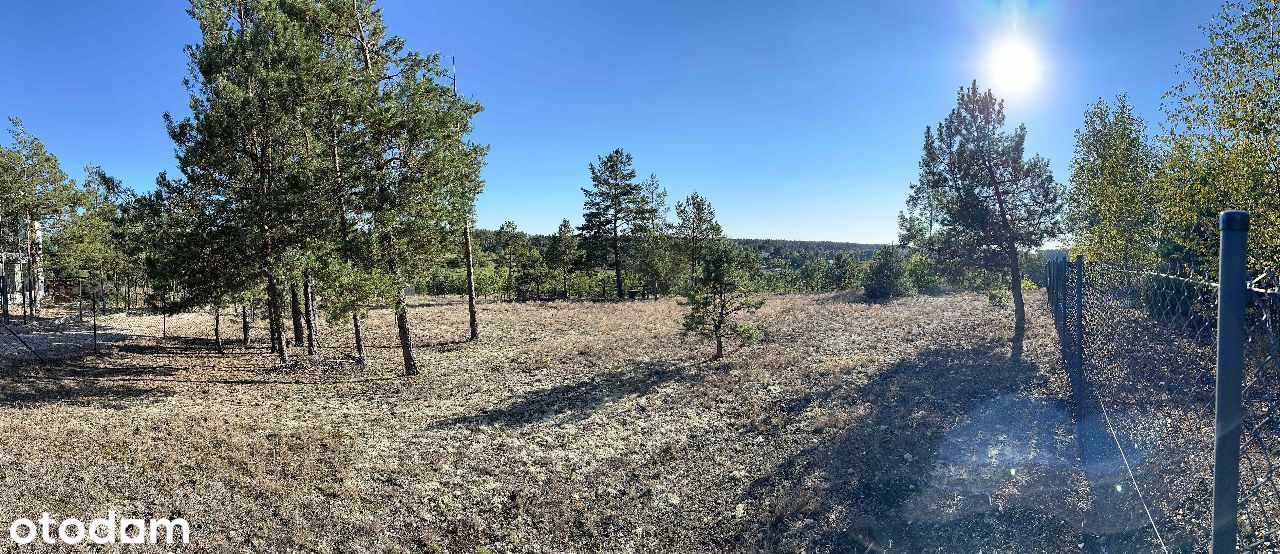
920, 271
999, 297
1028, 284
886, 276
750, 333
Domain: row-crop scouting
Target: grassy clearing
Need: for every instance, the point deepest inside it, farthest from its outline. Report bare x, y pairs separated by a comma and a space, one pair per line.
570, 427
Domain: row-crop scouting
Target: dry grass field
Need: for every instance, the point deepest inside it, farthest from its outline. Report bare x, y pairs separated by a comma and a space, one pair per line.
570, 427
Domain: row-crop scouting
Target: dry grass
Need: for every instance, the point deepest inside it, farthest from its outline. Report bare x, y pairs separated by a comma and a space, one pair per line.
570, 427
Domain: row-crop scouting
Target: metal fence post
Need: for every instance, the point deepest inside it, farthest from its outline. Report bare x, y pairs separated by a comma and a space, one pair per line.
95, 322
1063, 278
1079, 330
1057, 291
4, 297
1227, 409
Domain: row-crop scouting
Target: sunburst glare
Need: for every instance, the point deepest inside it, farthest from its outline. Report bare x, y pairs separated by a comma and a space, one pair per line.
1014, 67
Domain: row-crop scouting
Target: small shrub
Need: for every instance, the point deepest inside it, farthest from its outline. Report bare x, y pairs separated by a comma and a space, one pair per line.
750, 333
887, 275
921, 273
1028, 284
999, 297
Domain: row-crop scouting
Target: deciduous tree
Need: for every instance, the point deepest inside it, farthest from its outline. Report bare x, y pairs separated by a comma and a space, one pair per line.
1112, 211
1224, 135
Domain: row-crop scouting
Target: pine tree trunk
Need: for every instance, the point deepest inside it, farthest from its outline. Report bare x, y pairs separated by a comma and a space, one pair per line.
308, 297
276, 304
244, 324
271, 329
617, 261
471, 281
355, 327
1015, 272
1019, 310
217, 328
406, 344
295, 309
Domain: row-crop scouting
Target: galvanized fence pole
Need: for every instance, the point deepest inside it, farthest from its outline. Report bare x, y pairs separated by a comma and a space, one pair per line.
1227, 409
1048, 276
4, 297
1064, 279
1057, 291
1079, 330
95, 321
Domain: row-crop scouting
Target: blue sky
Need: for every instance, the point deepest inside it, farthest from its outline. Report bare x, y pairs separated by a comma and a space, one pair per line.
799, 120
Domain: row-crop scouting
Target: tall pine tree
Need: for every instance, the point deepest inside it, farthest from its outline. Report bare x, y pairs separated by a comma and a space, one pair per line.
992, 201
614, 206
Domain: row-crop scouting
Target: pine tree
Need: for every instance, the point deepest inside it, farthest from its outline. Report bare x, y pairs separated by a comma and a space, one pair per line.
34, 194
511, 247
992, 202
612, 209
696, 229
563, 254
886, 275
253, 76
653, 259
721, 293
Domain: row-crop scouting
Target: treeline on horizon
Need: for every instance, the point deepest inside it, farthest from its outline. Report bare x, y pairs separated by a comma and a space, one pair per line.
327, 169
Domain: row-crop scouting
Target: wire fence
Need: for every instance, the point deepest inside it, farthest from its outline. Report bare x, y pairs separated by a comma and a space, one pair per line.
66, 323
1165, 395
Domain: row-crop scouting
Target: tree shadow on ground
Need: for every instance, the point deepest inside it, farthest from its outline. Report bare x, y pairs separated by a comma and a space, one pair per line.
950, 455
575, 401
34, 391
69, 382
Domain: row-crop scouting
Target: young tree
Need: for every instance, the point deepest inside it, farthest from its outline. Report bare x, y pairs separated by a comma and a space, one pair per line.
511, 247
90, 241
1222, 140
720, 294
613, 207
1110, 208
653, 259
34, 194
991, 200
563, 254
696, 229
845, 271
886, 275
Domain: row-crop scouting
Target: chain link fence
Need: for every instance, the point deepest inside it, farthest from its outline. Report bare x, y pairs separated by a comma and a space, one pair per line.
66, 324
1163, 393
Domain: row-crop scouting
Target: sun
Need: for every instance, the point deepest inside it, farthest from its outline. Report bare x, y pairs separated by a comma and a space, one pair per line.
1014, 67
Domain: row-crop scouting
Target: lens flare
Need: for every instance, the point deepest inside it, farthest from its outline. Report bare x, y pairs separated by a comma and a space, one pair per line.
1014, 67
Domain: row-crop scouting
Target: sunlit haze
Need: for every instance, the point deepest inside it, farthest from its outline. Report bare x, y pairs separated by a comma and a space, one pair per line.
1014, 67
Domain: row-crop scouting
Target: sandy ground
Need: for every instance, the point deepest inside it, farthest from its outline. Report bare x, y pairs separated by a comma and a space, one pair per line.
569, 427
